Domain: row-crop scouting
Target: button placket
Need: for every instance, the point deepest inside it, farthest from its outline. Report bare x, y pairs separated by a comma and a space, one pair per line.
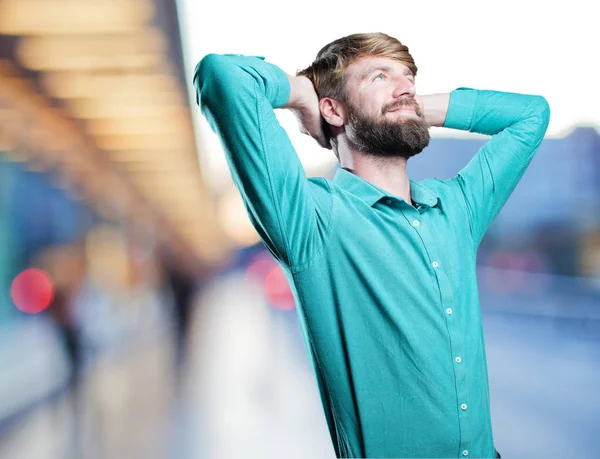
447, 303
460, 376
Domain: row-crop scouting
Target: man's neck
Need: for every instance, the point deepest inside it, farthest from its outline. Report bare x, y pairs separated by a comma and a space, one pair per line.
388, 174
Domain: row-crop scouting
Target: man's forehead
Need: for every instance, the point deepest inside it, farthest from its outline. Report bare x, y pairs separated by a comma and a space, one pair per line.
367, 64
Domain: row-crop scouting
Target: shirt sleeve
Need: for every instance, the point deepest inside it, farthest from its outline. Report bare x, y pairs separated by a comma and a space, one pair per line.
517, 124
238, 95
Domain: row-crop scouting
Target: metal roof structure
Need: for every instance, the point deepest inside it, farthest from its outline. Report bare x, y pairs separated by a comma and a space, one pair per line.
96, 91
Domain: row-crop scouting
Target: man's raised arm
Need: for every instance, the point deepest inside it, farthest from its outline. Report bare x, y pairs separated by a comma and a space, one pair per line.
517, 124
238, 95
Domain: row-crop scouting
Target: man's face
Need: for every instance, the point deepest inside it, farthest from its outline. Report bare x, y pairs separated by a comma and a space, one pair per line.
384, 118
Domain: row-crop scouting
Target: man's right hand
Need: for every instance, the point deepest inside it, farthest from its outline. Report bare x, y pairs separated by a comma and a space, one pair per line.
304, 102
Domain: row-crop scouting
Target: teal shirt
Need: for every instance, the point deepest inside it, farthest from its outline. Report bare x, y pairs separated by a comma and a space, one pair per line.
386, 292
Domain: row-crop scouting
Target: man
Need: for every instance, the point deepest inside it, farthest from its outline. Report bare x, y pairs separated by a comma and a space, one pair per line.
382, 267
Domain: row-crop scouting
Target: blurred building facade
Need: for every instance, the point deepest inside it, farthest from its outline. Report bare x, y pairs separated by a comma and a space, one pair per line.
100, 189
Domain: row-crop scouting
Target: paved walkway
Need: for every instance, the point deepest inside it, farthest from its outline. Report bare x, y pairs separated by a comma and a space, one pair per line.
248, 391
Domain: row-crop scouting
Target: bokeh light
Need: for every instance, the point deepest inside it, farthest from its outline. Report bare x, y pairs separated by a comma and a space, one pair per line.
259, 268
278, 292
32, 291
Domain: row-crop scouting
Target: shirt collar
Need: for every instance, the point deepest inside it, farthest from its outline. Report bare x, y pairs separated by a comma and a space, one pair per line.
371, 194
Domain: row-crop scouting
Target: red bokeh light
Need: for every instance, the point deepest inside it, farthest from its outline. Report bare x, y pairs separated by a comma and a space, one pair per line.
278, 291
259, 269
32, 291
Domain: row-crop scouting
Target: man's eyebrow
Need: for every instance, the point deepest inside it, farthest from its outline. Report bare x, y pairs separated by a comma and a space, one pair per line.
370, 70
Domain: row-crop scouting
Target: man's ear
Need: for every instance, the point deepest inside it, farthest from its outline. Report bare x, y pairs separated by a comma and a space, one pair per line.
333, 111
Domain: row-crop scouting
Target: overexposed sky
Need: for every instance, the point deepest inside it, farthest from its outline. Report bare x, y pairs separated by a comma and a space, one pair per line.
527, 46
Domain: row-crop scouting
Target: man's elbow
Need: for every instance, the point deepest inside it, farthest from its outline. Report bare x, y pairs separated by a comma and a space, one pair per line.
210, 67
543, 109
540, 115
211, 72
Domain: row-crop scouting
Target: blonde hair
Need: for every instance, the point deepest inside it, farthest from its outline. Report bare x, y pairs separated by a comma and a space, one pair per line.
328, 70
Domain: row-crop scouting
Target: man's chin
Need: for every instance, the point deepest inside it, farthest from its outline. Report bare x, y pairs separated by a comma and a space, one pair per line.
396, 133
402, 115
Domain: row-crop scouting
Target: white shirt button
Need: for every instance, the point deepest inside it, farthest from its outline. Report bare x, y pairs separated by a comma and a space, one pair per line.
388, 201
458, 359
449, 311
416, 223
463, 406
465, 453
435, 264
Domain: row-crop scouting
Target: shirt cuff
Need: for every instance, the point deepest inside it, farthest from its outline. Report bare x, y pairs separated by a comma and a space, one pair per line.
461, 109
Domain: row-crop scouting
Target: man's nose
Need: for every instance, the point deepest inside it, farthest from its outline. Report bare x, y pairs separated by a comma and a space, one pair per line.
403, 88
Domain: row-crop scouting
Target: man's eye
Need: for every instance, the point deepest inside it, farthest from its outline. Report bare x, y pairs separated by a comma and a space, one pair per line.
379, 77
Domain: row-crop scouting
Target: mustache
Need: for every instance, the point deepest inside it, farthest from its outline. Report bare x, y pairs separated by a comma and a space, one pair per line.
404, 102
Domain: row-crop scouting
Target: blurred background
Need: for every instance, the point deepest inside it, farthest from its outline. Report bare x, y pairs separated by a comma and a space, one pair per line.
139, 314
